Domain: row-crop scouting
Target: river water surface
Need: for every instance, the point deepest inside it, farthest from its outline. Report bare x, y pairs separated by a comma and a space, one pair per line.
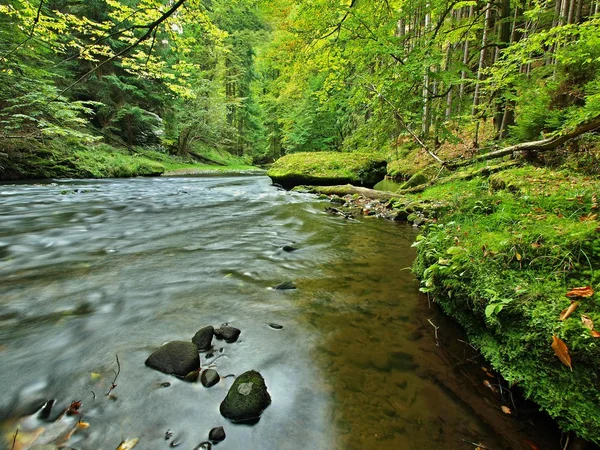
94, 269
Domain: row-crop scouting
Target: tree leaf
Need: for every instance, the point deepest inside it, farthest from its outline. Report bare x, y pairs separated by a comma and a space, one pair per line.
562, 351
595, 334
506, 409
587, 322
585, 291
564, 315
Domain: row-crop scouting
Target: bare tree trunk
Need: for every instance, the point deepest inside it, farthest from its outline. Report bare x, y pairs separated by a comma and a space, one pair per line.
484, 39
426, 99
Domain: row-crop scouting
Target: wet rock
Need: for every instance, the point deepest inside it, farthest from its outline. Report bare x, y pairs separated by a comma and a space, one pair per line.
166, 384
289, 248
209, 378
337, 200
275, 326
217, 434
177, 358
192, 377
203, 446
285, 286
247, 398
400, 216
203, 338
229, 334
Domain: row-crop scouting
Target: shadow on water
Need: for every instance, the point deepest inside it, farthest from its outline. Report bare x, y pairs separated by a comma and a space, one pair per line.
94, 269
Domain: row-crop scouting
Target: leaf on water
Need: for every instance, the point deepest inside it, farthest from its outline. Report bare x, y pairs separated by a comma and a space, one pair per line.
585, 291
506, 409
568, 311
587, 322
562, 351
82, 425
128, 444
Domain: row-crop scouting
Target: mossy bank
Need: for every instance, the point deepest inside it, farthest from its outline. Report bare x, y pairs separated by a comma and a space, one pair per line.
327, 168
499, 255
33, 159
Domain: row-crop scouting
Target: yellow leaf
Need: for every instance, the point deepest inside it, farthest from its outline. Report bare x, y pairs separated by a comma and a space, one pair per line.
128, 444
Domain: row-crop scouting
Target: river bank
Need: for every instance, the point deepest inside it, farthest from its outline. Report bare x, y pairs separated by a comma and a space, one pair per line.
511, 256
35, 160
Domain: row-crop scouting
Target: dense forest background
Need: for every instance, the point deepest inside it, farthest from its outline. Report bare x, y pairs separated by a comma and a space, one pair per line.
262, 78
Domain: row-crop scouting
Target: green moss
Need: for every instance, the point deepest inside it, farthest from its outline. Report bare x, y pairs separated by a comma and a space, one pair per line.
328, 168
417, 179
500, 262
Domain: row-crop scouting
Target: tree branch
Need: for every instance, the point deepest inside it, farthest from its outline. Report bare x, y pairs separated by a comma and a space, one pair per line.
149, 30
35, 22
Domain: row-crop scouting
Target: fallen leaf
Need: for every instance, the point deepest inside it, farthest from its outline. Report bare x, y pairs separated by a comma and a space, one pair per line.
82, 425
595, 334
587, 322
489, 385
128, 444
588, 217
585, 291
564, 315
562, 351
506, 409
519, 257
532, 445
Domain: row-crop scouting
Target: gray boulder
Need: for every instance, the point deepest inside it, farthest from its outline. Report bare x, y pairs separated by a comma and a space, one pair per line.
247, 398
209, 378
177, 358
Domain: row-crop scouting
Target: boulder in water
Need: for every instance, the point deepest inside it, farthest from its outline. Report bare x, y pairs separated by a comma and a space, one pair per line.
229, 334
177, 358
247, 398
203, 338
217, 434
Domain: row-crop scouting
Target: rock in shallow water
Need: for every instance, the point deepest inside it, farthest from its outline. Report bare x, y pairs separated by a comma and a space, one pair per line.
177, 358
247, 398
209, 378
216, 434
230, 334
203, 338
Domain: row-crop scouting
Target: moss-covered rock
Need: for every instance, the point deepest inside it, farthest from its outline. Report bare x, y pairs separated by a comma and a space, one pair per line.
328, 168
247, 398
417, 179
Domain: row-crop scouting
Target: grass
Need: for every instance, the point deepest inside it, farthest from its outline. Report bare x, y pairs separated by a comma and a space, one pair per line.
61, 159
501, 260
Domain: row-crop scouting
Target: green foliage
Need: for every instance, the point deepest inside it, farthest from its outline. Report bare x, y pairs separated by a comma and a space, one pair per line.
501, 262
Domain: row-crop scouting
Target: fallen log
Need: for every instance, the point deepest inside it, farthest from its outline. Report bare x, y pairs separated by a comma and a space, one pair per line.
534, 146
348, 189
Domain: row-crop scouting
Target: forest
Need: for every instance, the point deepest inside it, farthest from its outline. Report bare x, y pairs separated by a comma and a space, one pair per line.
482, 115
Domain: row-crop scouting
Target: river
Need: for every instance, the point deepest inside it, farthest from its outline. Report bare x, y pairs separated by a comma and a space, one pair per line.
92, 269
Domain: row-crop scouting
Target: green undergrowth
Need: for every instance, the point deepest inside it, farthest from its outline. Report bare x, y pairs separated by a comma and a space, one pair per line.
501, 260
30, 159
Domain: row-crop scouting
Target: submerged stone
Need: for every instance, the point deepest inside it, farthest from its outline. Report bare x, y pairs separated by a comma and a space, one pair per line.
289, 248
203, 338
247, 398
229, 334
177, 358
285, 286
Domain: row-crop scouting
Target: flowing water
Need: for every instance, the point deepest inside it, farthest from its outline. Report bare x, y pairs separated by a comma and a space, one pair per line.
94, 269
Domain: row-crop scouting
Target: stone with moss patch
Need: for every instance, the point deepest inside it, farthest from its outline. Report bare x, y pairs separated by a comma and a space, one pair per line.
247, 398
328, 168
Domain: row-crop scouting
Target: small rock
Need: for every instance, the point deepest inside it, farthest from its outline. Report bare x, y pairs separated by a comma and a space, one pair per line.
203, 446
247, 398
229, 334
337, 200
289, 248
209, 378
217, 434
286, 285
166, 384
203, 338
177, 358
168, 435
275, 326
